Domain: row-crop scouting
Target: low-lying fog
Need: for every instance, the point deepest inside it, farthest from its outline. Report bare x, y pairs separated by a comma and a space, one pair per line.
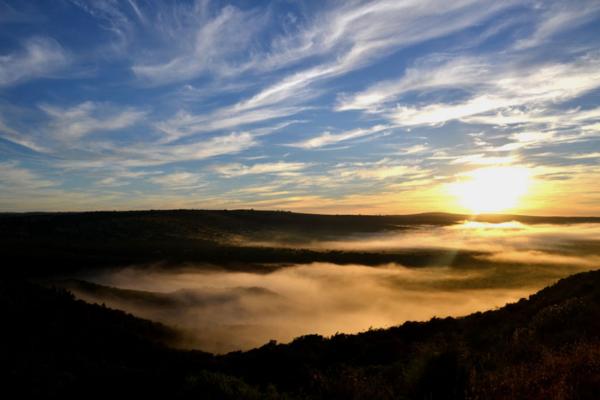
223, 311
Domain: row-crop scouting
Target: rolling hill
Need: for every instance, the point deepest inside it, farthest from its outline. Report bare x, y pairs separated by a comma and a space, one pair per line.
49, 244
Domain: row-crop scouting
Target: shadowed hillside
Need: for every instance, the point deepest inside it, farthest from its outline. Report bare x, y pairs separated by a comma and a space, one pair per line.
215, 225
47, 244
546, 347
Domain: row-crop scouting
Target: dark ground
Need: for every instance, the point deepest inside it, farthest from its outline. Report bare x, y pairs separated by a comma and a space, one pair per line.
53, 345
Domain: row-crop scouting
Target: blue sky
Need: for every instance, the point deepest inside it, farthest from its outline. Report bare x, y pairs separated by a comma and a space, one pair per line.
324, 106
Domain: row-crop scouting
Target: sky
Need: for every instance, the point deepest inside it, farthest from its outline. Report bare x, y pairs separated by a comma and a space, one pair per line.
384, 107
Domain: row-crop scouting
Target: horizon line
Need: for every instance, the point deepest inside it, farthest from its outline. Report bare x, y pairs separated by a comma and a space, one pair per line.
467, 215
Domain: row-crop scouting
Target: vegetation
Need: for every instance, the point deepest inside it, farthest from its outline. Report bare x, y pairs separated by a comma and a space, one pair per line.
53, 345
545, 347
47, 244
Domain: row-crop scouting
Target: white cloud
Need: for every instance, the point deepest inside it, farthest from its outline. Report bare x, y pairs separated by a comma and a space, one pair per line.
39, 57
75, 122
482, 159
236, 169
584, 156
540, 127
434, 114
208, 49
111, 156
184, 124
328, 138
554, 118
179, 181
341, 39
210, 41
415, 149
14, 136
119, 176
428, 74
558, 17
115, 17
383, 169
156, 154
468, 72
19, 179
360, 34
494, 90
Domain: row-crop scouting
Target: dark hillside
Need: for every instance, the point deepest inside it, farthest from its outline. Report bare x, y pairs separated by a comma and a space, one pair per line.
55, 244
545, 347
54, 346
51, 244
214, 225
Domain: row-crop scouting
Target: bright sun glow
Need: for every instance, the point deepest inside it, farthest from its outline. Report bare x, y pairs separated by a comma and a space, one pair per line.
493, 189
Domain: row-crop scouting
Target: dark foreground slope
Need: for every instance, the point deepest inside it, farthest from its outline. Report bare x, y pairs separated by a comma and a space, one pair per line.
546, 347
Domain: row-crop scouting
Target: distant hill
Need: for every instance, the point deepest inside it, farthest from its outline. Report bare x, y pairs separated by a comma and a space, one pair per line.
214, 225
545, 347
45, 244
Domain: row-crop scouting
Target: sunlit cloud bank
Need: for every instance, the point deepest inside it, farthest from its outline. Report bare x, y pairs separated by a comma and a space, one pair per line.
509, 241
222, 311
225, 311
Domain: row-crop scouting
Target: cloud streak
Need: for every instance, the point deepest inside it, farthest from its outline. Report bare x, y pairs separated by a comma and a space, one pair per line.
328, 138
492, 90
281, 168
73, 123
216, 40
39, 57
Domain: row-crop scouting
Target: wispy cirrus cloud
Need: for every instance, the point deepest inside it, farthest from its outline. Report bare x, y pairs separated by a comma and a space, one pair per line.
328, 138
358, 35
118, 18
482, 159
15, 177
491, 88
336, 99
106, 156
430, 74
156, 154
559, 17
344, 31
527, 129
350, 40
584, 156
179, 180
385, 168
14, 136
414, 149
551, 117
216, 40
73, 123
279, 168
39, 57
184, 124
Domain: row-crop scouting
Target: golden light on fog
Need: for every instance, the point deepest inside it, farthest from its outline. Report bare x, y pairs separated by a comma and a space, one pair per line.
494, 189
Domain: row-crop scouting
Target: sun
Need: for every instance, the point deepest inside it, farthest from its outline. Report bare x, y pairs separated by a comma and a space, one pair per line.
493, 189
